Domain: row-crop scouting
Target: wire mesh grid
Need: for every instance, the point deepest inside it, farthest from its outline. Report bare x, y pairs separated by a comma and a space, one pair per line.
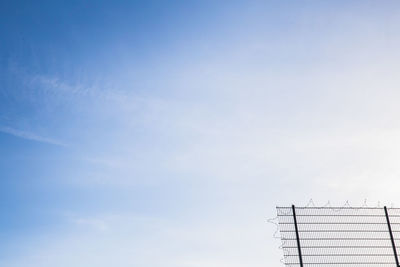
346, 236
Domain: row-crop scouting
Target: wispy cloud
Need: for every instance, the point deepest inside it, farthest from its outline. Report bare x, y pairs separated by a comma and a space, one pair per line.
31, 136
97, 224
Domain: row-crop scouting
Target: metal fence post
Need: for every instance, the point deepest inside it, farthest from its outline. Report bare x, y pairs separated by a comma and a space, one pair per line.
298, 237
391, 237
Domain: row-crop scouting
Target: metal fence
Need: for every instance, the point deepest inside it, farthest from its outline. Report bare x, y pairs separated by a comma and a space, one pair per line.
347, 236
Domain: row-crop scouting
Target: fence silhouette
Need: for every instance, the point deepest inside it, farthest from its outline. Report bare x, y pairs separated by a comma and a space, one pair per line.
346, 236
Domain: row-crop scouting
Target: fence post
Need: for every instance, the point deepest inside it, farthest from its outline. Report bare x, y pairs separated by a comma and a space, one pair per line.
298, 237
391, 237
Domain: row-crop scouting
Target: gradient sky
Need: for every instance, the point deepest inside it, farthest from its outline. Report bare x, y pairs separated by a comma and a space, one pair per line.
164, 133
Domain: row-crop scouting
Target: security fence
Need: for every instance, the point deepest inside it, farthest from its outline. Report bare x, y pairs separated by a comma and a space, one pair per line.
346, 236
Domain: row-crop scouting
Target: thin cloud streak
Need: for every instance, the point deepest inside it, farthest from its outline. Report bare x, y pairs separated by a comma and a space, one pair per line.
31, 136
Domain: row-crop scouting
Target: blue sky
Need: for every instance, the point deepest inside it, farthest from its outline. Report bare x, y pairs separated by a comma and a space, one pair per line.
163, 133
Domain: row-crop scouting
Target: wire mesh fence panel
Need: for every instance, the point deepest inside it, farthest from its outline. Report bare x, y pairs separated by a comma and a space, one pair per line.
326, 236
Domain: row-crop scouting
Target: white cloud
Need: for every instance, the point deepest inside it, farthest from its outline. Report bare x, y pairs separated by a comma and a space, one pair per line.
31, 136
97, 224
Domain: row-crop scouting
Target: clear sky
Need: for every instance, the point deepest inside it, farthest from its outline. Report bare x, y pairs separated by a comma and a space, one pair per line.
163, 133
